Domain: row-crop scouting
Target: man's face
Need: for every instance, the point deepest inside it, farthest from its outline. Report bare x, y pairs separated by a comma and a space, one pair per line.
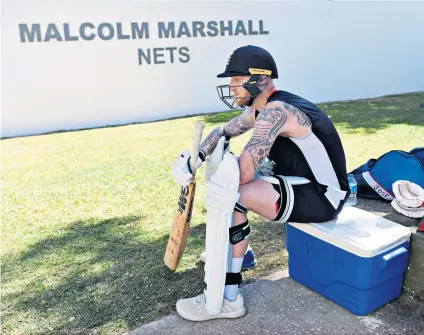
241, 95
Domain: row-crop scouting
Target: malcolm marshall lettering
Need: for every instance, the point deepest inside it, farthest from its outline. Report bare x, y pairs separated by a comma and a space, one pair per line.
87, 31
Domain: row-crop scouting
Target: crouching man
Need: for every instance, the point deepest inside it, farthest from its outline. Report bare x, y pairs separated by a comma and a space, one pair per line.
290, 137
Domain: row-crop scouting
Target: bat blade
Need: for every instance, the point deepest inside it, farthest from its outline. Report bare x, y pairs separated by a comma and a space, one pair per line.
180, 227
177, 241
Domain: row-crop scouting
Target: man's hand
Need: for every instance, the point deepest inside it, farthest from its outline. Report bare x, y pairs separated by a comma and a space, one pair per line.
266, 169
181, 171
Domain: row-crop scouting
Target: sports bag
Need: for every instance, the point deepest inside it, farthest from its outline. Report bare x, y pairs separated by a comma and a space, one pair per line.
376, 177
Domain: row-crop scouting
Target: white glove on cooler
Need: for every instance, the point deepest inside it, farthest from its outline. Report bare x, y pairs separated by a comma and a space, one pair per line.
181, 170
409, 199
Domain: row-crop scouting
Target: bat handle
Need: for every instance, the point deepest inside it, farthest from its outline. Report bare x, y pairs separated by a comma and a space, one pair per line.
196, 145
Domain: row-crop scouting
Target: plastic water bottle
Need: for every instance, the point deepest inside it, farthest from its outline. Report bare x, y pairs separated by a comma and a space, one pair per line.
353, 185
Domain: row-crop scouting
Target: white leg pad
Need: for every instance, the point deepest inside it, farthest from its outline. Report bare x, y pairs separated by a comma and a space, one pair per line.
220, 200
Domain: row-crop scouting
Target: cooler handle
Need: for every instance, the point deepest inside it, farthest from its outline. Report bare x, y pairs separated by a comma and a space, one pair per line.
393, 255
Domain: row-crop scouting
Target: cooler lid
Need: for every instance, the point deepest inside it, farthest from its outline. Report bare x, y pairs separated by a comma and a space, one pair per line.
358, 232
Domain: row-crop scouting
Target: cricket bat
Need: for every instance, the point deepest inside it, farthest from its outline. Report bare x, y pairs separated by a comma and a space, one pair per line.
181, 224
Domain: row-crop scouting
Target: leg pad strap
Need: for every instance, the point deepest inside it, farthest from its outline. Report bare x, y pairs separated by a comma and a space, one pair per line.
239, 207
231, 279
239, 233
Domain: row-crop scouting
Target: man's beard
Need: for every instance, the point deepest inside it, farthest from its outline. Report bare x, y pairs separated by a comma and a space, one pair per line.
243, 101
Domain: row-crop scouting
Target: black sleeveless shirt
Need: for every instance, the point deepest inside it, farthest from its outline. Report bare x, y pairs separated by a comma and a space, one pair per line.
318, 156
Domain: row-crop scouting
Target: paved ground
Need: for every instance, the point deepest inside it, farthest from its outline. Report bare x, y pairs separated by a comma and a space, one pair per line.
279, 305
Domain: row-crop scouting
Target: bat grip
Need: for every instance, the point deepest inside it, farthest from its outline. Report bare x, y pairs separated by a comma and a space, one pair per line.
196, 145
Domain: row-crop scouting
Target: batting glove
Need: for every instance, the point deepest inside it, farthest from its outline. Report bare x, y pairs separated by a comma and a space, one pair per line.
181, 171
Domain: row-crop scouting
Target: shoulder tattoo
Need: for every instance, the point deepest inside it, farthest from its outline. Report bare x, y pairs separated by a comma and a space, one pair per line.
268, 125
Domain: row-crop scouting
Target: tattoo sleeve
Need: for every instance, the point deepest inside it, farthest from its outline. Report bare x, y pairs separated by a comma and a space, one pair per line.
241, 123
268, 126
237, 126
211, 141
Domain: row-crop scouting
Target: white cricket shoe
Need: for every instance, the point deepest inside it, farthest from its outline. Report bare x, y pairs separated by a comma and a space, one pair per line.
194, 309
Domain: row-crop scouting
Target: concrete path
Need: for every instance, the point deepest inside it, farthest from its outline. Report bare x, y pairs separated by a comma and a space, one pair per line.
279, 305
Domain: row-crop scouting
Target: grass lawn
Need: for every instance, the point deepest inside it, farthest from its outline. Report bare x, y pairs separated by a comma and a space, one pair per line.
86, 217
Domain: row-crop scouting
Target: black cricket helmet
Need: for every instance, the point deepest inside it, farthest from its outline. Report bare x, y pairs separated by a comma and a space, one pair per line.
250, 61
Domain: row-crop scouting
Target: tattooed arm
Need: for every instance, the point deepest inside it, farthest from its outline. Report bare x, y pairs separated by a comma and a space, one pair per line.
235, 127
275, 118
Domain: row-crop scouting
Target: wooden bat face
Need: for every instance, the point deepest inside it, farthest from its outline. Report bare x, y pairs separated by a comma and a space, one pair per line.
181, 224
180, 227
182, 202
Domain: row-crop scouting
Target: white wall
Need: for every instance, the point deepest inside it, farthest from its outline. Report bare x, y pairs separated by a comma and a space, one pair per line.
325, 50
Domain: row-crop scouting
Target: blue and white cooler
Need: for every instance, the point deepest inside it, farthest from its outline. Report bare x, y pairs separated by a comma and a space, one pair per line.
358, 261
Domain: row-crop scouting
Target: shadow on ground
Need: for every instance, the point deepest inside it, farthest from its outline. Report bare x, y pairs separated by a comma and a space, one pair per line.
110, 277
